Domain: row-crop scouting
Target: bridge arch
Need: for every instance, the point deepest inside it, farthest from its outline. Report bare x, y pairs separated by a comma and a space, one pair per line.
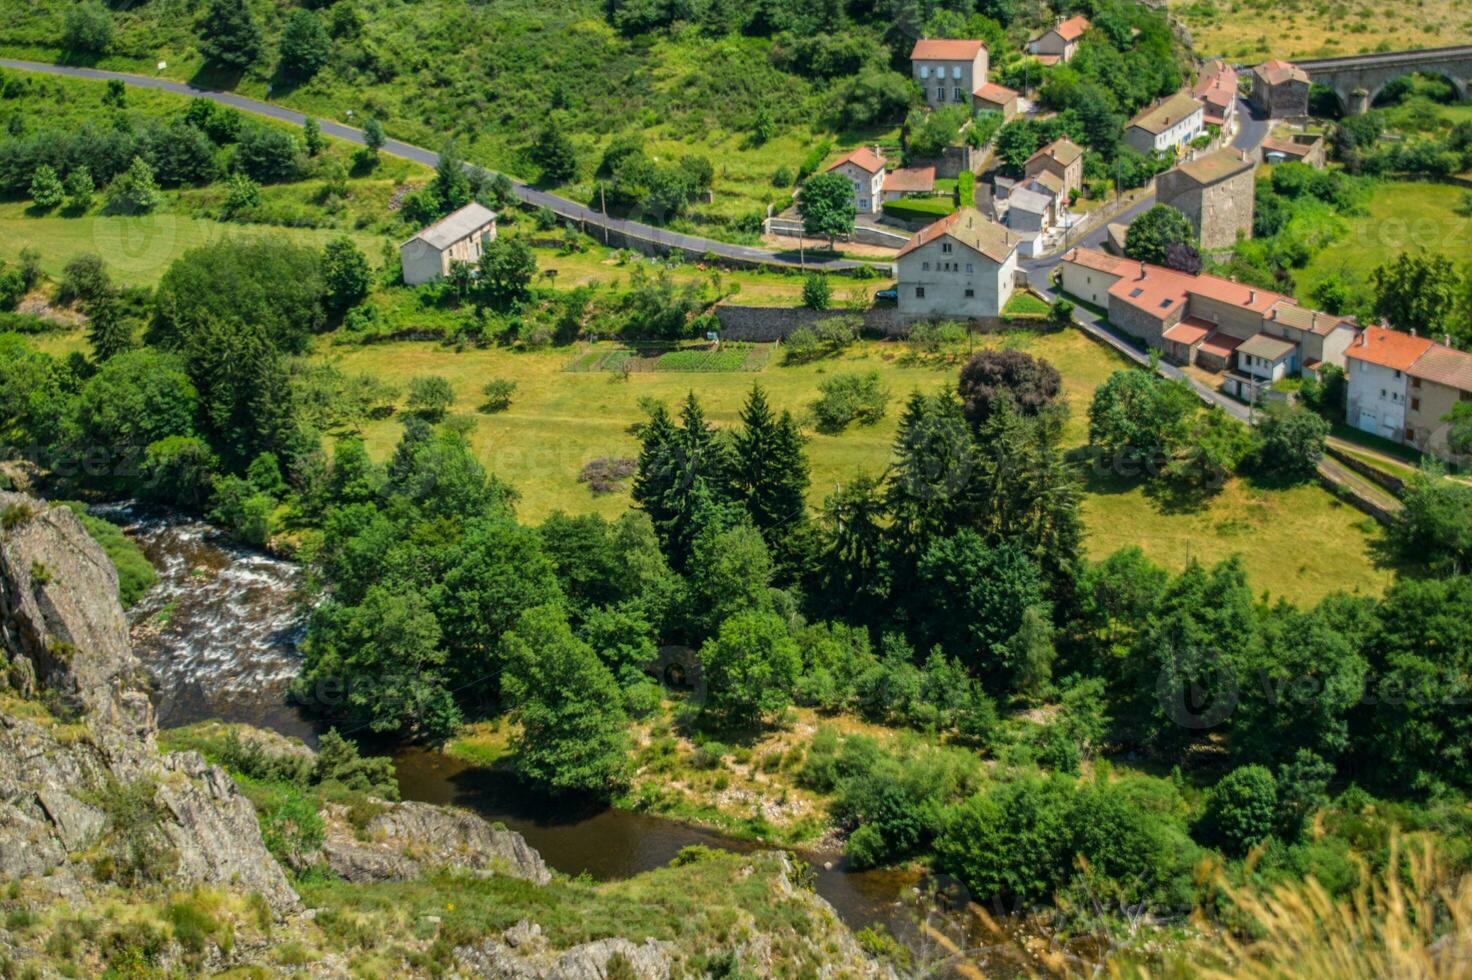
1462, 87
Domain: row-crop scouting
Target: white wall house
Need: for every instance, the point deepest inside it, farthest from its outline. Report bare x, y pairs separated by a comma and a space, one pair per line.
1169, 125
1375, 369
948, 71
963, 266
864, 169
457, 237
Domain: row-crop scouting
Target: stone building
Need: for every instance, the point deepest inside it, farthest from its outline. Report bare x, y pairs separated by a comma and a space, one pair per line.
948, 71
457, 237
1060, 42
995, 98
1302, 148
1216, 192
1062, 158
1167, 126
962, 266
1279, 89
864, 169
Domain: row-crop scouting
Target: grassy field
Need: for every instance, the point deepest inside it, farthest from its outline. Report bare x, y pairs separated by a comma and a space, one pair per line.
138, 249
1253, 30
1403, 216
559, 421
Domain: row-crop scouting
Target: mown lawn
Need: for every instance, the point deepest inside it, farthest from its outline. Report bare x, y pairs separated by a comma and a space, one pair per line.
1403, 216
1299, 543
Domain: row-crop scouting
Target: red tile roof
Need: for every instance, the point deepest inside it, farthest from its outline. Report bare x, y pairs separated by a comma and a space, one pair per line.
1220, 344
1048, 60
1388, 348
972, 229
1101, 261
1189, 331
910, 179
1073, 28
1062, 149
864, 158
1277, 71
938, 49
996, 94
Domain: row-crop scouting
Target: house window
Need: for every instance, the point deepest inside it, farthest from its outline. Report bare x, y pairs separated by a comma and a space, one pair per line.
919, 292
1397, 375
1466, 396
1410, 435
1415, 382
970, 293
1415, 404
968, 266
924, 266
959, 95
956, 71
925, 94
945, 247
924, 71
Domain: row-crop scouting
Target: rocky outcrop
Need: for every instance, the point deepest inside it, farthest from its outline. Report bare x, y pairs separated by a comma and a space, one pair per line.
522, 953
405, 839
80, 738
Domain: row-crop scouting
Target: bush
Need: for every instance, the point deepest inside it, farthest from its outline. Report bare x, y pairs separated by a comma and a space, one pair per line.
816, 294
850, 397
430, 397
87, 27
83, 279
1242, 809
498, 392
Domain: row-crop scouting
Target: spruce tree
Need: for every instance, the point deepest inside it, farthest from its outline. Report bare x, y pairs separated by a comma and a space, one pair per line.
46, 189
450, 186
109, 330
229, 35
771, 471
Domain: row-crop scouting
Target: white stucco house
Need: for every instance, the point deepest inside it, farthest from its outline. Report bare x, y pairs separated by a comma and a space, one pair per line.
864, 169
961, 267
1375, 369
457, 237
1168, 125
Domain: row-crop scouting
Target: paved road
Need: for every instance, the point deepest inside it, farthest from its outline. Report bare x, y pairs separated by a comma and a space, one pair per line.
531, 196
1251, 129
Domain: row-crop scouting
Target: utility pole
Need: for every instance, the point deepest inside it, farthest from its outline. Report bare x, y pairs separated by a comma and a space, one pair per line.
603, 206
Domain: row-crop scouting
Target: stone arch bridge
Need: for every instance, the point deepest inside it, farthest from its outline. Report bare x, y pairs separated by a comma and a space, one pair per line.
1357, 79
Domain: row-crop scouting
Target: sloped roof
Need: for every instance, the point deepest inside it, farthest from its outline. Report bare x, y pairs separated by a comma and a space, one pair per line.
1277, 71
456, 225
1217, 84
1159, 118
1147, 287
998, 94
1296, 317
1287, 147
1073, 28
972, 229
1190, 331
1062, 149
1050, 183
1100, 261
907, 180
1388, 348
1030, 201
942, 49
1218, 166
1267, 347
864, 158
1444, 365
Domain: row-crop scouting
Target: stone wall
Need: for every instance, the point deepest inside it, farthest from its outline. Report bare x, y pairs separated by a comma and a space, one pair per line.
1217, 211
765, 324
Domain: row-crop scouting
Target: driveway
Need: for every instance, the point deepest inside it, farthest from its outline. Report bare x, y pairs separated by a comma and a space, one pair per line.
531, 196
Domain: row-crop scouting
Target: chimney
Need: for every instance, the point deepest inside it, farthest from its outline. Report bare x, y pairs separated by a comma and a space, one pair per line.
1413, 331
1446, 340
1251, 296
1142, 270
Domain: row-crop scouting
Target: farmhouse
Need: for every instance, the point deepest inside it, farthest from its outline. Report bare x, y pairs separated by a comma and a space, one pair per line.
1168, 125
963, 266
457, 237
948, 72
1439, 379
1060, 43
1216, 89
1062, 158
864, 169
1216, 192
992, 97
1256, 335
1279, 89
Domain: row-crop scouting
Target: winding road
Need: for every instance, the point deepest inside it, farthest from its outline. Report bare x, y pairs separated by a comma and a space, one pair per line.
569, 210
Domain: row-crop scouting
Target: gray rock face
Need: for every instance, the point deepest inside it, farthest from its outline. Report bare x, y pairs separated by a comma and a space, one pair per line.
408, 838
67, 639
523, 954
58, 602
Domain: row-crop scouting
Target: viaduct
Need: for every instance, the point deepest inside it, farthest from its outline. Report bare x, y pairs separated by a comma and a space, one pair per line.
1357, 79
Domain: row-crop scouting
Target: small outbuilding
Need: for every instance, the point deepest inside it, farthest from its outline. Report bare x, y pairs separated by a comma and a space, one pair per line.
457, 237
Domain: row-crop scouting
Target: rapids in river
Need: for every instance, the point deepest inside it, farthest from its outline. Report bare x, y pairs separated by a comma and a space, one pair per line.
220, 634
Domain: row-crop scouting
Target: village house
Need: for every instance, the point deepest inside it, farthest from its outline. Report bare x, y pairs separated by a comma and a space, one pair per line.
1216, 89
1302, 148
1061, 158
1059, 43
1279, 89
1254, 335
1439, 379
457, 237
864, 169
1031, 214
1217, 192
1376, 367
992, 97
909, 181
1167, 126
948, 71
962, 266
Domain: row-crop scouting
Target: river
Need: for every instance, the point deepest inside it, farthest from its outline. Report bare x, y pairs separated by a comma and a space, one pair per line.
220, 633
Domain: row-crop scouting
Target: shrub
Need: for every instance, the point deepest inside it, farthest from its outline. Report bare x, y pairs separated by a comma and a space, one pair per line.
816, 294
430, 397
84, 279
850, 397
498, 392
1242, 809
606, 475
